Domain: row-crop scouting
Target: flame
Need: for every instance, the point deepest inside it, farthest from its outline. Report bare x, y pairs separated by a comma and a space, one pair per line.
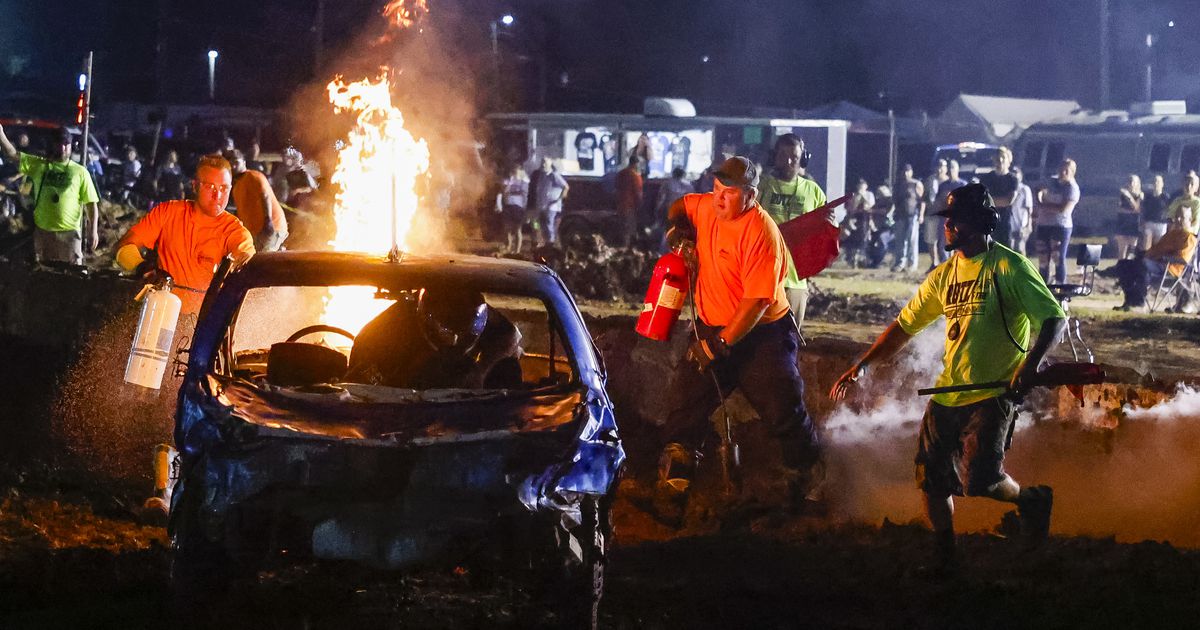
376, 178
405, 13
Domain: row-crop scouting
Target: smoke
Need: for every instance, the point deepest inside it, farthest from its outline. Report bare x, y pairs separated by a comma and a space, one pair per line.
1134, 479
1185, 404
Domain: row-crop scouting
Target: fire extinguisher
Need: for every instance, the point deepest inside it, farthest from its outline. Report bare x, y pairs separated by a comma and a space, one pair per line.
665, 297
151, 349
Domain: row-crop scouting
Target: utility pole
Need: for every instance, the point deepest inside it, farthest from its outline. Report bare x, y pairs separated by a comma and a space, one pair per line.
1105, 62
87, 109
319, 38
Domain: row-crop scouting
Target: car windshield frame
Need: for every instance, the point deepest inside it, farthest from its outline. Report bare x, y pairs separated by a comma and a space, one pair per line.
220, 319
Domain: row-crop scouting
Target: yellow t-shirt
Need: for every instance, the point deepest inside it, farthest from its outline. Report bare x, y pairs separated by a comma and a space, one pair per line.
742, 258
785, 201
977, 348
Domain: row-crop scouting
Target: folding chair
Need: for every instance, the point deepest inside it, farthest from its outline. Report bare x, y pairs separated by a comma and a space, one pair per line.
1087, 261
1186, 283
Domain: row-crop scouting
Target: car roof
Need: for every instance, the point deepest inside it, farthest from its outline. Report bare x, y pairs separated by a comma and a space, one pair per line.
319, 268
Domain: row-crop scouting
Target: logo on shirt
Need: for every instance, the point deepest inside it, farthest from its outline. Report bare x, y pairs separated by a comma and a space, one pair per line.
967, 298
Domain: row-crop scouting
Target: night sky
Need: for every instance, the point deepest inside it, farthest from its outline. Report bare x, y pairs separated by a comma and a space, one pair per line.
907, 54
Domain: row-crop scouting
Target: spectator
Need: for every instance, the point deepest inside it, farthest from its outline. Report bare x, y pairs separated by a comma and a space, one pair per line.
547, 189
64, 207
952, 182
131, 171
257, 208
1129, 198
644, 152
253, 159
1168, 254
672, 189
168, 178
1154, 213
1022, 212
511, 202
932, 227
1002, 185
859, 223
300, 183
629, 198
1056, 203
292, 159
906, 211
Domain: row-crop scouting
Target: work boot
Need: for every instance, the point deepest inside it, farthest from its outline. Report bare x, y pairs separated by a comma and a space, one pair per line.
1033, 506
676, 466
945, 563
806, 490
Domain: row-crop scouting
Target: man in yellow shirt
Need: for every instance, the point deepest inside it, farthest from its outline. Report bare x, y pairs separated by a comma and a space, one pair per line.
745, 337
993, 299
786, 193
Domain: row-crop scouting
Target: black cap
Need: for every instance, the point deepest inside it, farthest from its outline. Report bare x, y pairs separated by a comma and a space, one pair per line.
972, 204
737, 171
968, 200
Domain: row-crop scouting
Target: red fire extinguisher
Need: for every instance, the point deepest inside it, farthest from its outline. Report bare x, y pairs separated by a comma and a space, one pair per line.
664, 298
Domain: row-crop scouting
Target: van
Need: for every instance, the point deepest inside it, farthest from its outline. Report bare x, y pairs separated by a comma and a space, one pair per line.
1107, 147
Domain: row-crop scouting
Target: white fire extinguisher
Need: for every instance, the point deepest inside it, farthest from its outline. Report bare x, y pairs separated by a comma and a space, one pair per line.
151, 351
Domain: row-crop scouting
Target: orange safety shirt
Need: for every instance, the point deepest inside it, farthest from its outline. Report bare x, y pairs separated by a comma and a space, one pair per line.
251, 190
741, 258
190, 245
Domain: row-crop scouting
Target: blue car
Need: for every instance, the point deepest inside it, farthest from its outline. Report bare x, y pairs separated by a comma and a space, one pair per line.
291, 449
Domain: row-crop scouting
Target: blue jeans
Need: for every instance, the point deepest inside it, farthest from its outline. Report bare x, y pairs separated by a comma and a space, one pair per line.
1053, 241
763, 366
549, 224
904, 247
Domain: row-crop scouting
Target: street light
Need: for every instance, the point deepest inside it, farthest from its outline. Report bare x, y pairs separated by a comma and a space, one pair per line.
212, 74
507, 19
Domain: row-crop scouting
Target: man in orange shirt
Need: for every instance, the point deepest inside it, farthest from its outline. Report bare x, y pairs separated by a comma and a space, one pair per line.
191, 237
746, 335
257, 206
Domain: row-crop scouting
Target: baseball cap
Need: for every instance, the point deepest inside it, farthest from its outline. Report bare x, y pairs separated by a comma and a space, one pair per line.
737, 171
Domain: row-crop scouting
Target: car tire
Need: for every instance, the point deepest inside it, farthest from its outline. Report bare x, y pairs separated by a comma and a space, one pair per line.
201, 569
565, 585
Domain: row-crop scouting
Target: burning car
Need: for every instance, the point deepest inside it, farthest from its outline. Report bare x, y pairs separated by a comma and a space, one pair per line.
293, 444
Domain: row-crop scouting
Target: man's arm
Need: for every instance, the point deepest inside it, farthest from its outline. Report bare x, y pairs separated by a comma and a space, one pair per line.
1048, 336
748, 312
885, 347
91, 218
10, 152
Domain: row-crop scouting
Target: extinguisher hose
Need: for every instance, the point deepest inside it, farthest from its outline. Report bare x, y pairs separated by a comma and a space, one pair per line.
728, 437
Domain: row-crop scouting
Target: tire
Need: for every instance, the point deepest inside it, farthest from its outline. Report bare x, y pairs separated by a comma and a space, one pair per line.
567, 585
201, 569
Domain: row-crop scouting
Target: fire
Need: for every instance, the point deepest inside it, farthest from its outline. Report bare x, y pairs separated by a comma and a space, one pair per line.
405, 13
376, 177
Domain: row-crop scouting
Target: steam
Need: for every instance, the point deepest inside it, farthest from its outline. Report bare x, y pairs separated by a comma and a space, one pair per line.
1185, 405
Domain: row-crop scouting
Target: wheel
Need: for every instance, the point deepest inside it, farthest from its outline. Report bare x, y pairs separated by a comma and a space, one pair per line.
569, 584
201, 569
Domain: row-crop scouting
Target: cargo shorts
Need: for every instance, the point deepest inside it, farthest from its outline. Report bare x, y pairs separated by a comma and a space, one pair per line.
960, 450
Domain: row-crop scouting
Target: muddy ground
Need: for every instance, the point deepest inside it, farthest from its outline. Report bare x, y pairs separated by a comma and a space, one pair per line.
73, 555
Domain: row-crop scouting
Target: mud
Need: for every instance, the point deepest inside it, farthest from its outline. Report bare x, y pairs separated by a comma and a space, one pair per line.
73, 555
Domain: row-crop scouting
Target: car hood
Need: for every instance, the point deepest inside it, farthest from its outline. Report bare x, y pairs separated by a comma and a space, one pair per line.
364, 412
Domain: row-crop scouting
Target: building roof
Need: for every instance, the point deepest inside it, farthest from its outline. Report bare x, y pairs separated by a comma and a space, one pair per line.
999, 116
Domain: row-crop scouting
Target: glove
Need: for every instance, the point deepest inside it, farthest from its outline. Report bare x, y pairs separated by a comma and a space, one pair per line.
155, 277
681, 231
705, 352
